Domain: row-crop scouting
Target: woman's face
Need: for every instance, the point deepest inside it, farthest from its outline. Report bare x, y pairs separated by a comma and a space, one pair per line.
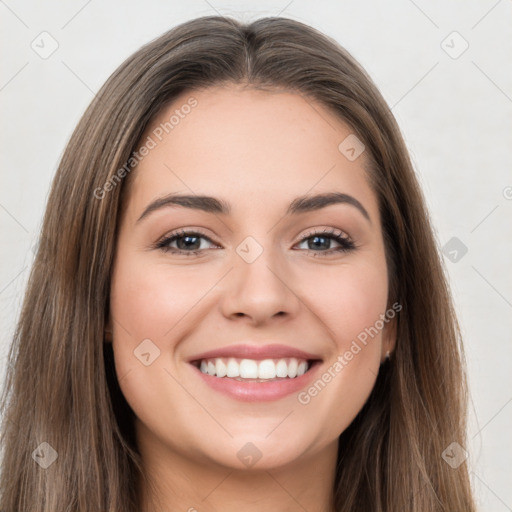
249, 275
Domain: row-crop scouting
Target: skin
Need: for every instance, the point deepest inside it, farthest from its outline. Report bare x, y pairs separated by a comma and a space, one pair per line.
256, 150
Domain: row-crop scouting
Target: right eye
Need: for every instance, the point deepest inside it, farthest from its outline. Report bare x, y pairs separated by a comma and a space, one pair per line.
187, 242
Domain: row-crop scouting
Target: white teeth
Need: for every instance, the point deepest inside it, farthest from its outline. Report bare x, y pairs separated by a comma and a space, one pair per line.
301, 369
266, 369
248, 369
233, 369
281, 368
220, 367
292, 368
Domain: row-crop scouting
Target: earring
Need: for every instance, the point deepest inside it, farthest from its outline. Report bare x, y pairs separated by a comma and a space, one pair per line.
387, 355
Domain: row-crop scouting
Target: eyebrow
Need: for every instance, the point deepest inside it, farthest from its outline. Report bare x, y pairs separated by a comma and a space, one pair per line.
214, 205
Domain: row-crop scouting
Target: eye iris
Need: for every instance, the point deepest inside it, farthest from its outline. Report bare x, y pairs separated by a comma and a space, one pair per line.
184, 242
315, 239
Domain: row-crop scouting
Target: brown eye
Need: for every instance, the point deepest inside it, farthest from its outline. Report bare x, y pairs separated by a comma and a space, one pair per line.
321, 242
186, 242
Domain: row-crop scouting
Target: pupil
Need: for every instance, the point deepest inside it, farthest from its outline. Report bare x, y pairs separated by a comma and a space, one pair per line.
184, 242
325, 244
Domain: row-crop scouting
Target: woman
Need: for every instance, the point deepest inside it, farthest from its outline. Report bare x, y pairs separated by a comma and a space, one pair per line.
237, 301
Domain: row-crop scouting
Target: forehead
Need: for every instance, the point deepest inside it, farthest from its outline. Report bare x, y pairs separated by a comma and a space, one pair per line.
247, 145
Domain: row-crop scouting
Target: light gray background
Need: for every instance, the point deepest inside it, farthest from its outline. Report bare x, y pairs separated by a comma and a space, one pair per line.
455, 114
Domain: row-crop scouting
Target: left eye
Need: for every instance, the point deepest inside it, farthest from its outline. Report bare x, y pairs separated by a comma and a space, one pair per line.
320, 241
323, 239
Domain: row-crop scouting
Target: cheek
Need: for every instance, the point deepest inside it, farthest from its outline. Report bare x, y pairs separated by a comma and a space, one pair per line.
149, 306
347, 299
149, 301
153, 307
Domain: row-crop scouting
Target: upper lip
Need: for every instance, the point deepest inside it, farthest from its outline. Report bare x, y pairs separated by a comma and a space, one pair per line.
256, 352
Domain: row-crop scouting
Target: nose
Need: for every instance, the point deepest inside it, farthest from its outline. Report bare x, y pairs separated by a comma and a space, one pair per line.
260, 291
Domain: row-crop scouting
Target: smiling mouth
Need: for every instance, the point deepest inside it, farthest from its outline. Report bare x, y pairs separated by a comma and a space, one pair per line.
252, 370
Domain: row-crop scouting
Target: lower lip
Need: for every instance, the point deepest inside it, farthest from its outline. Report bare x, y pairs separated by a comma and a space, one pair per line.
259, 391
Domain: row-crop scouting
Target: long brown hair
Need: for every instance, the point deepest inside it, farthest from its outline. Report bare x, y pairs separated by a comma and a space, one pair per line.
61, 387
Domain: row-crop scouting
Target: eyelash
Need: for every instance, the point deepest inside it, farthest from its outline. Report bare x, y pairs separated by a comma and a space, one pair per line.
346, 244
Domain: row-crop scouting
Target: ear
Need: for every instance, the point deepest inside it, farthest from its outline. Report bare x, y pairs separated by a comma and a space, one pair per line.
389, 335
